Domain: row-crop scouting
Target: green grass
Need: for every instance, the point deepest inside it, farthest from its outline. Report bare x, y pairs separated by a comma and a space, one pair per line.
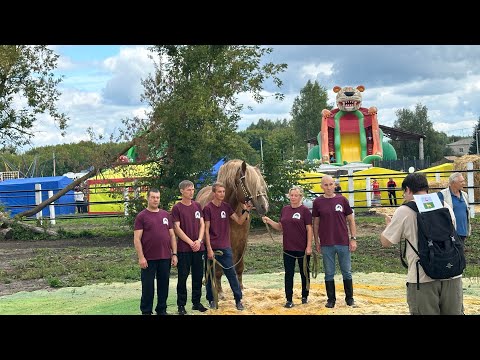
102, 299
89, 227
75, 266
79, 265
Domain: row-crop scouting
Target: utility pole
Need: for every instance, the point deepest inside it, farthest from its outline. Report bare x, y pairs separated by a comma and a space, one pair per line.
261, 150
54, 163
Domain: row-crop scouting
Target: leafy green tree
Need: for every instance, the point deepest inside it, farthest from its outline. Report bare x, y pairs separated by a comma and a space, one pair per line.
453, 138
256, 133
473, 147
194, 97
307, 113
417, 121
281, 169
74, 157
269, 125
26, 75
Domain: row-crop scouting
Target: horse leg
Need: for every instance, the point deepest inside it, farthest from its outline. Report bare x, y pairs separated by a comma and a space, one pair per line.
218, 283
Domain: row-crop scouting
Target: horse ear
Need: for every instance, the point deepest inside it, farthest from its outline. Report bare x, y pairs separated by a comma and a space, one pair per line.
244, 167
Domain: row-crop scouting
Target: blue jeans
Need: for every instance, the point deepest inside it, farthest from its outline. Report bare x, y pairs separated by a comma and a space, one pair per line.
226, 260
344, 260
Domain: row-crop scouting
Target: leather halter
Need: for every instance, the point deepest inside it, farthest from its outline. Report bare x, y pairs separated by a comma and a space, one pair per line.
243, 186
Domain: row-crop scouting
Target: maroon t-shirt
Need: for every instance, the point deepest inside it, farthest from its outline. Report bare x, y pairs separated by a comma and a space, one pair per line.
156, 237
189, 217
219, 217
294, 224
332, 228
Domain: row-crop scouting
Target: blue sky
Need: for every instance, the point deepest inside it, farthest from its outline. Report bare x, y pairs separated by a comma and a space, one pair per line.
102, 84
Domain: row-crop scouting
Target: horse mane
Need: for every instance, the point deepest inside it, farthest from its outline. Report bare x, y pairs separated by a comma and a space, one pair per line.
227, 174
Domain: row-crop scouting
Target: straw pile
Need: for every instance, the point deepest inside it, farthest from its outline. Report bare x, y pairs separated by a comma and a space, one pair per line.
460, 164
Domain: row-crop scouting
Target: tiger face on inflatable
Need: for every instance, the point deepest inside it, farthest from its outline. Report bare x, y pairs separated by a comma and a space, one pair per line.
349, 133
349, 98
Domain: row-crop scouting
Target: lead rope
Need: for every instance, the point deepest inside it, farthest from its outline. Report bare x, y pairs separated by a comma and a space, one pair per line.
314, 257
210, 275
269, 232
305, 267
210, 272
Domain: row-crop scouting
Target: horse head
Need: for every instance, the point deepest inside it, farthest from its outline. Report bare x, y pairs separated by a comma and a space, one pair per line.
250, 186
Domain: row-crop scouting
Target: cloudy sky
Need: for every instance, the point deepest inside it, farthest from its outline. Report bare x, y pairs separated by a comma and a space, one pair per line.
102, 84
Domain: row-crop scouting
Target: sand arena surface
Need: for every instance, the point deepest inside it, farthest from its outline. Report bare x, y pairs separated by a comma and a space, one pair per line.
374, 293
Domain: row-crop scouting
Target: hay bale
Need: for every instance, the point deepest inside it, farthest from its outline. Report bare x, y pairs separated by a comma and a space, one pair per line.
438, 185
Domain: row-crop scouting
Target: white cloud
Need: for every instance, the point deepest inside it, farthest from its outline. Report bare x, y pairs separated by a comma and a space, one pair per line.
99, 92
315, 70
128, 69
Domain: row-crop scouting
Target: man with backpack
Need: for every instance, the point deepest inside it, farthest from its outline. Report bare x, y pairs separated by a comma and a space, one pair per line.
437, 294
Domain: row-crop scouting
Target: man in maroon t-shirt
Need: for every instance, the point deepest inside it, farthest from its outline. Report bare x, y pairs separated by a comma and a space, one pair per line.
331, 212
190, 229
217, 235
156, 247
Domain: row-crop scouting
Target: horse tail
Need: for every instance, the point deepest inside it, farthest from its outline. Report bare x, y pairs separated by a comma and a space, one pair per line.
204, 196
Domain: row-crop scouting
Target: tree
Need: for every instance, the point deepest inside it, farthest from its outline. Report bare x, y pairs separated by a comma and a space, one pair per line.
281, 170
417, 121
194, 97
26, 77
256, 133
307, 113
473, 148
73, 157
103, 162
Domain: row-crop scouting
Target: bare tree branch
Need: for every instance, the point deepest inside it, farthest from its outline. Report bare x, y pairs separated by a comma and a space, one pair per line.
36, 229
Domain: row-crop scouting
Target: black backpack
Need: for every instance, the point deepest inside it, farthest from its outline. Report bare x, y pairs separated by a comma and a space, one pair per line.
439, 248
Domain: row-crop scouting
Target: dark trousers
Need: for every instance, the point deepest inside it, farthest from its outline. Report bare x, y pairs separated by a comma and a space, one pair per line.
80, 207
159, 269
187, 261
289, 258
392, 197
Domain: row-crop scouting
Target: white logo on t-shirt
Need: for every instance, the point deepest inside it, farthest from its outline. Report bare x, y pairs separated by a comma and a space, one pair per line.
296, 216
223, 214
197, 214
165, 221
339, 207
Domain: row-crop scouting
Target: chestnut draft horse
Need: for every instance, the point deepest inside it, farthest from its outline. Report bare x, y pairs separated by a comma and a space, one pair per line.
242, 182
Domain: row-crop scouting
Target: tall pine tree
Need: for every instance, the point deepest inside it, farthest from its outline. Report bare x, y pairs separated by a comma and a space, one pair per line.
307, 113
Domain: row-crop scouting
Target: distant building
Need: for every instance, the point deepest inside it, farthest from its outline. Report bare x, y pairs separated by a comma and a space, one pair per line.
461, 147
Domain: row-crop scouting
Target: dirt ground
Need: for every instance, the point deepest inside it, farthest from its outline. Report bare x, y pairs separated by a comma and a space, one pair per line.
15, 250
377, 293
11, 251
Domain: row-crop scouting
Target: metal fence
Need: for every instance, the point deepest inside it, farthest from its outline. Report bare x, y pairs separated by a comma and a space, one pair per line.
403, 164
